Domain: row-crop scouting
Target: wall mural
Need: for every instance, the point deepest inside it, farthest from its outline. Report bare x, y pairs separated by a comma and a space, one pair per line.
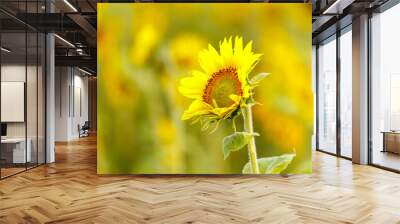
204, 88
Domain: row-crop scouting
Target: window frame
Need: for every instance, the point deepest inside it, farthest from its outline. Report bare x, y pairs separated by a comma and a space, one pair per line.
334, 37
380, 9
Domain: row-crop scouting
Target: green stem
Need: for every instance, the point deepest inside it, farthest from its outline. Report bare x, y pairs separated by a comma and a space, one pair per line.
234, 124
248, 126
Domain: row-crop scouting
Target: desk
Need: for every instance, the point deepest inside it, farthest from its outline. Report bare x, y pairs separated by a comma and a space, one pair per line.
15, 148
391, 141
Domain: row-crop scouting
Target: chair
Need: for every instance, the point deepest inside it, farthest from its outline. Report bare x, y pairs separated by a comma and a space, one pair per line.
84, 130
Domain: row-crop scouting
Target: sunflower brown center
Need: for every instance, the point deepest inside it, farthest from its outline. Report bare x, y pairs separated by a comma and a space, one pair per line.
220, 86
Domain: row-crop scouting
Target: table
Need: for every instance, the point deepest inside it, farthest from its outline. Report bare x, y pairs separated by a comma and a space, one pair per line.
391, 141
15, 148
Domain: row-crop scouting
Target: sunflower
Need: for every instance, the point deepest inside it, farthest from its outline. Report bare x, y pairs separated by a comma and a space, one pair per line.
219, 89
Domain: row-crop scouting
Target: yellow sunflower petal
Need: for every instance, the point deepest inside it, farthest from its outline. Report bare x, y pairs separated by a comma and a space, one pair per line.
192, 87
197, 108
246, 65
248, 48
238, 46
226, 50
210, 60
251, 62
235, 98
221, 112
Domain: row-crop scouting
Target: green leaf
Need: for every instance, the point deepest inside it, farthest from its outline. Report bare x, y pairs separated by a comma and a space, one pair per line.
255, 80
206, 122
235, 142
250, 101
271, 165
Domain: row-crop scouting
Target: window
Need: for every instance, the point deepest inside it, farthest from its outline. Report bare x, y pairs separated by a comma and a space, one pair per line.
394, 102
22, 78
327, 96
385, 89
346, 93
314, 78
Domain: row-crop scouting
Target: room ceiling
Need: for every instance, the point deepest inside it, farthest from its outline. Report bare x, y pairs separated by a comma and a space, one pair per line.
330, 15
76, 22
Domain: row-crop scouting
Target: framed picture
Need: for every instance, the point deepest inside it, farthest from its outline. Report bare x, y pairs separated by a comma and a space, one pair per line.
204, 88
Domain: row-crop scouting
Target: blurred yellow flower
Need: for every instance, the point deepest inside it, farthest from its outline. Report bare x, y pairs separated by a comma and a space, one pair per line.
183, 57
144, 42
219, 89
166, 131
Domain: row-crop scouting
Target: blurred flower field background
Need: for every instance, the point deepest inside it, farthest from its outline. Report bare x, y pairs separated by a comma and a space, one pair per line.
144, 49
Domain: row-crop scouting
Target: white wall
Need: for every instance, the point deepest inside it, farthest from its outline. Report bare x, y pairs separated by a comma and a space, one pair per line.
71, 102
16, 73
33, 127
62, 82
80, 110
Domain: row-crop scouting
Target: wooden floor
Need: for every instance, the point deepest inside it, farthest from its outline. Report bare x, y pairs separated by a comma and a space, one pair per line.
386, 159
5, 172
69, 191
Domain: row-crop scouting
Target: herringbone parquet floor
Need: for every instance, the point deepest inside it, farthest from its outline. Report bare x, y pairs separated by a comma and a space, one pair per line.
69, 191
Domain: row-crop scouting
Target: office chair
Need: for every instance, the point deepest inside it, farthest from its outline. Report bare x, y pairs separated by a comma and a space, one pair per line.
84, 130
